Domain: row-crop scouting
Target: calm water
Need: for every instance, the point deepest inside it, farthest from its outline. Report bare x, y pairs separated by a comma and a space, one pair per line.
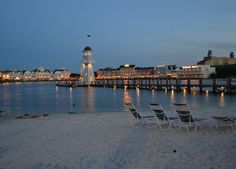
45, 97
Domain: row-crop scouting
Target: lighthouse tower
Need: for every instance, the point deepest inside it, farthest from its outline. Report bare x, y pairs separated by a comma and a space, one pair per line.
87, 74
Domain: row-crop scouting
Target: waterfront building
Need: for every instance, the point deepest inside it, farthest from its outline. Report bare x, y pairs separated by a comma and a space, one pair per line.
144, 72
87, 73
61, 74
160, 71
196, 71
218, 60
166, 71
42, 74
6, 75
28, 75
125, 71
16, 75
107, 73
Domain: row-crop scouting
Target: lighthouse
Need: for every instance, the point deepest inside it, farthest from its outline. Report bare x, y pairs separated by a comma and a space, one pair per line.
87, 74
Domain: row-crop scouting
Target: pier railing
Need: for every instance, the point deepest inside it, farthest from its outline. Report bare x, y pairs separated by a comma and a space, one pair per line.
178, 84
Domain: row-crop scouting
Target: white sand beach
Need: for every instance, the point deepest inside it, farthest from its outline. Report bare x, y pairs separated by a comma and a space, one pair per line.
108, 141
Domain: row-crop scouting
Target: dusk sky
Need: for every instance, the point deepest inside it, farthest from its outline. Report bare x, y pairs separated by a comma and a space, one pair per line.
53, 33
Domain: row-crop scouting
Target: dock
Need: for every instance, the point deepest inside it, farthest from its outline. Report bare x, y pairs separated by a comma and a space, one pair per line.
177, 84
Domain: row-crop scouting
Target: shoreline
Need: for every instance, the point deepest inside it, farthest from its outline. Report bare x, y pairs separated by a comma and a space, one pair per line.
107, 140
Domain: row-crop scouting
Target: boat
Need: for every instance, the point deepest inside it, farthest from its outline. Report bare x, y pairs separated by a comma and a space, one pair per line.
71, 84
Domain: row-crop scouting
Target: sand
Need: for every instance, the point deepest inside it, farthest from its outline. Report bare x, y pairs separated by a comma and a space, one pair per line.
108, 141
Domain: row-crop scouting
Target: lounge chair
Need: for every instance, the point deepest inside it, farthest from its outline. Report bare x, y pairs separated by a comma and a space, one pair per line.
161, 116
4, 114
224, 121
139, 117
186, 119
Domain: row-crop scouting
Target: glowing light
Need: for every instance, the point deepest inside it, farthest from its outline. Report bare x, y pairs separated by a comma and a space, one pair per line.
222, 99
126, 97
222, 94
126, 65
166, 90
184, 91
153, 92
138, 92
125, 87
188, 67
207, 92
172, 93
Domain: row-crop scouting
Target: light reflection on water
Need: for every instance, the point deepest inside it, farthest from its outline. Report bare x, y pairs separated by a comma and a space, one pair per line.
87, 100
47, 98
222, 100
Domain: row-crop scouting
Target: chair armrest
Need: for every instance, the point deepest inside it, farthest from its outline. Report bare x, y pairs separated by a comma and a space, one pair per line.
199, 119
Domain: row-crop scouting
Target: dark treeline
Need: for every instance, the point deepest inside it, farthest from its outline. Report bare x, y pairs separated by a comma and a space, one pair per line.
224, 71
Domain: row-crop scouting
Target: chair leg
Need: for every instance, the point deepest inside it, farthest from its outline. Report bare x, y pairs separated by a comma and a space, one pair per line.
197, 126
195, 130
133, 122
168, 126
187, 129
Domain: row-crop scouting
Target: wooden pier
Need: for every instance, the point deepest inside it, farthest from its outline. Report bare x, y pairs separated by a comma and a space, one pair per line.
177, 84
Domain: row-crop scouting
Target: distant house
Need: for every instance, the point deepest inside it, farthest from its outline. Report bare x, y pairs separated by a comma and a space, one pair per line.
42, 74
61, 74
6, 75
16, 75
28, 75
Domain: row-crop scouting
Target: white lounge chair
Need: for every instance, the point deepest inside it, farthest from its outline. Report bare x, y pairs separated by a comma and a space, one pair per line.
162, 117
186, 119
139, 117
4, 114
224, 121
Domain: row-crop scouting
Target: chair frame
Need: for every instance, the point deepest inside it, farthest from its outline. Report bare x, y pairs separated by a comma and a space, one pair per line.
4, 114
223, 121
161, 116
139, 117
186, 118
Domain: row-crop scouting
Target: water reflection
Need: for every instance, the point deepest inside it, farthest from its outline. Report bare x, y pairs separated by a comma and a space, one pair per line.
126, 97
45, 97
172, 93
222, 100
138, 95
172, 96
166, 91
184, 92
87, 100
153, 94
71, 96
